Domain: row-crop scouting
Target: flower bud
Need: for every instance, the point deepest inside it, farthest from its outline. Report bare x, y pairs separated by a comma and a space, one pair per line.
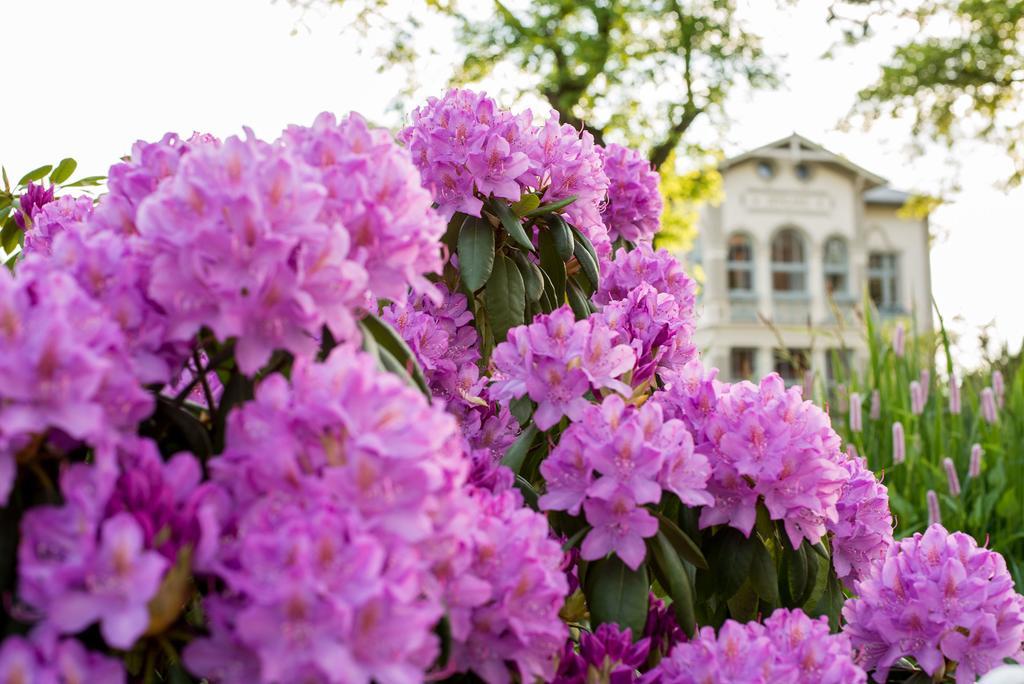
974, 470
856, 424
951, 477
934, 514
899, 340
876, 405
916, 399
998, 386
899, 448
988, 406
926, 387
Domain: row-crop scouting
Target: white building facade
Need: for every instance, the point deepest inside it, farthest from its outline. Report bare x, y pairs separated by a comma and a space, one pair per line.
788, 256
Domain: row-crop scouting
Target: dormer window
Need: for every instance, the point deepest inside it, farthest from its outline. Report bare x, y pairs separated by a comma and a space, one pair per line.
765, 169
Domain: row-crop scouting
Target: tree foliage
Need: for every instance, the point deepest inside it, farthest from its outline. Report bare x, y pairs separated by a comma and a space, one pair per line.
961, 75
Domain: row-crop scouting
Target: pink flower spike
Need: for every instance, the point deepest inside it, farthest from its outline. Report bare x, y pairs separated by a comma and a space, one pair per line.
988, 406
856, 414
974, 470
899, 448
954, 396
934, 513
951, 476
899, 341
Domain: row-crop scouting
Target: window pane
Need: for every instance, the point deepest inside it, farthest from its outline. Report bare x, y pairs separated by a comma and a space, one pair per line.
741, 363
875, 291
835, 282
787, 247
835, 252
791, 364
788, 281
739, 248
741, 279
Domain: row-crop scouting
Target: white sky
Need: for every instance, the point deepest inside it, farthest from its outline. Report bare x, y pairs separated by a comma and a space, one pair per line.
86, 79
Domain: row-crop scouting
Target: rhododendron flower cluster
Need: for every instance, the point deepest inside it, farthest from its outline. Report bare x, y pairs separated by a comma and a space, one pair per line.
556, 360
467, 149
765, 443
62, 364
938, 598
44, 658
102, 555
54, 218
788, 647
862, 533
612, 461
633, 209
35, 197
608, 654
348, 520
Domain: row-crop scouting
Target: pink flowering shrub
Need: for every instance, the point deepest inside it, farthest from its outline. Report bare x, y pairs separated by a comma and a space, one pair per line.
334, 408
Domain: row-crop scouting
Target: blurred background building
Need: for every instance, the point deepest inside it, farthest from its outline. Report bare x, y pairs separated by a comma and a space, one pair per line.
801, 237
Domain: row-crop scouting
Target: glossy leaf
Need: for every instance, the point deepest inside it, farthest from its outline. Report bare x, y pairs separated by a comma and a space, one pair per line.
552, 207
64, 169
10, 235
391, 341
533, 281
562, 237
86, 182
529, 493
553, 266
588, 264
526, 204
729, 557
682, 543
516, 454
512, 224
764, 578
577, 300
476, 252
505, 298
35, 174
677, 582
582, 239
617, 594
521, 409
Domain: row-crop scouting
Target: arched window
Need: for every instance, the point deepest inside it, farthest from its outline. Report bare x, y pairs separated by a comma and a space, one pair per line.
740, 264
837, 268
789, 262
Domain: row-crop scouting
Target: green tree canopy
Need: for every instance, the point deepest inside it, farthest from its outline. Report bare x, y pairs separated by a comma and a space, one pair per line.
961, 75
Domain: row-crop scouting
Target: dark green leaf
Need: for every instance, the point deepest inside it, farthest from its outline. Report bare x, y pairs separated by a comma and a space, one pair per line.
743, 604
576, 538
186, 426
562, 236
831, 602
729, 557
677, 582
528, 492
516, 453
582, 239
577, 300
553, 266
764, 578
10, 235
511, 223
588, 264
11, 261
505, 298
532, 278
64, 169
522, 409
35, 174
547, 297
7, 183
682, 543
526, 203
444, 635
390, 340
451, 233
238, 390
390, 364
796, 575
617, 594
86, 182
548, 208
476, 252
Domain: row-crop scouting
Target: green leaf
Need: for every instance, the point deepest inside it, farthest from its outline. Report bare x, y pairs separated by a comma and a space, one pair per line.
677, 582
532, 278
617, 594
743, 604
577, 300
729, 557
390, 364
582, 239
796, 575
86, 182
237, 390
451, 233
186, 426
588, 264
7, 183
391, 341
549, 208
553, 266
681, 542
511, 223
516, 454
10, 235
522, 409
562, 236
831, 602
35, 174
476, 252
64, 169
528, 492
505, 298
576, 538
547, 297
526, 204
764, 578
